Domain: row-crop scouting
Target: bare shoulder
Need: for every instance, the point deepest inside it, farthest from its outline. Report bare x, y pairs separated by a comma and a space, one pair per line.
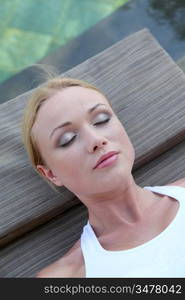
179, 182
71, 264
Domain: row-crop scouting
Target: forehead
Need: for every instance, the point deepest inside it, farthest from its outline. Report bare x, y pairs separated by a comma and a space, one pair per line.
65, 105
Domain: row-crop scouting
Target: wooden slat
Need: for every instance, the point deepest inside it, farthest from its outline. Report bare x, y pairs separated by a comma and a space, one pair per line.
43, 245
147, 91
29, 254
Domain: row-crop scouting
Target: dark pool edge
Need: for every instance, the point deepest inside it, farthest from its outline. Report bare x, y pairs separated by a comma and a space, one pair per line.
129, 18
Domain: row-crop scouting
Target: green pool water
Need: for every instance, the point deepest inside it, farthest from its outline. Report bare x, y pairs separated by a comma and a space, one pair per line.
31, 29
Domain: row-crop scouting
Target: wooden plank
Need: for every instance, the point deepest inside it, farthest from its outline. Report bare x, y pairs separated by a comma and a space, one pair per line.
26, 256
146, 89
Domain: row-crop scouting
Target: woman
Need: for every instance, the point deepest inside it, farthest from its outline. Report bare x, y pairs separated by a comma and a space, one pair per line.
74, 139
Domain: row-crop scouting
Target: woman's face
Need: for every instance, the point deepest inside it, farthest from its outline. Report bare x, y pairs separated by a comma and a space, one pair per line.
73, 129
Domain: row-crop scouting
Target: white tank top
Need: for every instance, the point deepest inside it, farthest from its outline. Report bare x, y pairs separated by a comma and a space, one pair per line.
162, 256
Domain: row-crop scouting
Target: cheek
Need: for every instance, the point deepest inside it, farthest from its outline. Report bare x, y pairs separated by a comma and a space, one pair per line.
125, 141
66, 162
69, 169
119, 132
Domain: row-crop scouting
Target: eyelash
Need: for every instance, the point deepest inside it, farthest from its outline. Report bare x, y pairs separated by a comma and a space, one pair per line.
98, 123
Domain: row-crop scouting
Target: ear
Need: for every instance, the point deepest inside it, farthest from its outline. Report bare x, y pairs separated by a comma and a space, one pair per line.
48, 174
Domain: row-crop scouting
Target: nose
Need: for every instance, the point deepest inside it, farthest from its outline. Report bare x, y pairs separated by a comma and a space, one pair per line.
94, 140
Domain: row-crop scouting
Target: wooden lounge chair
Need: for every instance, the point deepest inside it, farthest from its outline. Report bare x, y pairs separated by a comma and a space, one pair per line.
147, 91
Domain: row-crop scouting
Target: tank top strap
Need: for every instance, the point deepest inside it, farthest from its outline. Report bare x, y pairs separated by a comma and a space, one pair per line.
92, 253
176, 192
89, 240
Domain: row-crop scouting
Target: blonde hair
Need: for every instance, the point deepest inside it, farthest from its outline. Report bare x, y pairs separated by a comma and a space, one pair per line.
41, 94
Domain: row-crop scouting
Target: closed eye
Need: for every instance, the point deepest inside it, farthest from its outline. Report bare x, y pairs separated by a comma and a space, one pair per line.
66, 144
70, 141
104, 121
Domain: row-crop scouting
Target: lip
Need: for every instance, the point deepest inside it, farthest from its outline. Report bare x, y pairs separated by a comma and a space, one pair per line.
105, 157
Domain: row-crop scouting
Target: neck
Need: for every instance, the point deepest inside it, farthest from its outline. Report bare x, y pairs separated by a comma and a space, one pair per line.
123, 208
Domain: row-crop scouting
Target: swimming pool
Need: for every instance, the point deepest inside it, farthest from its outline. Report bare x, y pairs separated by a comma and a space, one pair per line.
30, 30
63, 34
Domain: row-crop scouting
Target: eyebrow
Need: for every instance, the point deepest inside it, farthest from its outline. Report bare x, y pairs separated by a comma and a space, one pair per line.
69, 123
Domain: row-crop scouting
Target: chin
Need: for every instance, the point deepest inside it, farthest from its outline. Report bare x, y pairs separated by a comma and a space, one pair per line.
115, 181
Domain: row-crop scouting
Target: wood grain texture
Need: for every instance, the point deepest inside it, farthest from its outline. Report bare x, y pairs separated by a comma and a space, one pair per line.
29, 254
147, 92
